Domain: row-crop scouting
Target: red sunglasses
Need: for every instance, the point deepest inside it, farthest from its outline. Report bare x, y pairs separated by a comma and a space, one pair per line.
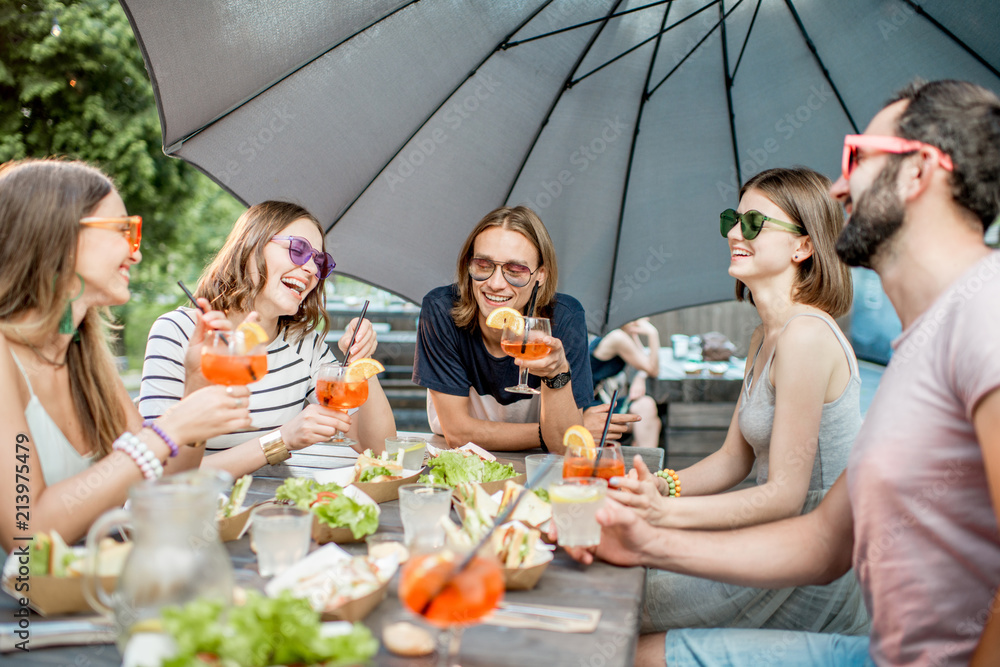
887, 145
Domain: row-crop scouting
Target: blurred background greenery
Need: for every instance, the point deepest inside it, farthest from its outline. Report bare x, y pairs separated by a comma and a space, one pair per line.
73, 84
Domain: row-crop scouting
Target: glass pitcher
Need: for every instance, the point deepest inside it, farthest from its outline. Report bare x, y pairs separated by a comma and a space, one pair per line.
176, 556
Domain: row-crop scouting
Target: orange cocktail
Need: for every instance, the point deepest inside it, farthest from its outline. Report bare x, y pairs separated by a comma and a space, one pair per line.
584, 462
467, 598
339, 394
531, 350
229, 369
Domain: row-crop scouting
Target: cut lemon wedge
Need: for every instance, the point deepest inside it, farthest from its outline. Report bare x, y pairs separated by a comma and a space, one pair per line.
249, 335
580, 438
505, 317
363, 369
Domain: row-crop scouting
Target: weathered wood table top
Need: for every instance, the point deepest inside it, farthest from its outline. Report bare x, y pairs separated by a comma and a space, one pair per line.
616, 591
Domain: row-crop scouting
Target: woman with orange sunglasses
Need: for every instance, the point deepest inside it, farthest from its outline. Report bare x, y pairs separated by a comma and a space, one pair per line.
71, 441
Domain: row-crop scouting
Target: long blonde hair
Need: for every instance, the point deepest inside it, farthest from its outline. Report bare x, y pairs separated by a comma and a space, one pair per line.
526, 222
229, 284
41, 204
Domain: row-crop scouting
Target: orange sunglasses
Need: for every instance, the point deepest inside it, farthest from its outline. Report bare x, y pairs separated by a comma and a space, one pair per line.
130, 226
887, 145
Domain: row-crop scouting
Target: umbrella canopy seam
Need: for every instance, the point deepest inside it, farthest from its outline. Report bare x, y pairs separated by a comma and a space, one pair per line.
729, 89
920, 10
746, 39
510, 45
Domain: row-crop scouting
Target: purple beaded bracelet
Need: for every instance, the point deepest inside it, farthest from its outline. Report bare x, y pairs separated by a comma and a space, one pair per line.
150, 424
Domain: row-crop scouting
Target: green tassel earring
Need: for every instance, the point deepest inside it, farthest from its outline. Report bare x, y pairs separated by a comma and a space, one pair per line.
66, 323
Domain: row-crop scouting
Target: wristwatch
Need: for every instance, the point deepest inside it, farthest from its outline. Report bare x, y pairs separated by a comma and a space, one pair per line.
558, 381
274, 448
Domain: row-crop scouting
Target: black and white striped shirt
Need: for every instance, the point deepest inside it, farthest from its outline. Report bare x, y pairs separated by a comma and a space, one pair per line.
289, 385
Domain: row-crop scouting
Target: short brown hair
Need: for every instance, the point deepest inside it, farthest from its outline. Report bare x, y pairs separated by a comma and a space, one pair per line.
229, 284
526, 222
823, 280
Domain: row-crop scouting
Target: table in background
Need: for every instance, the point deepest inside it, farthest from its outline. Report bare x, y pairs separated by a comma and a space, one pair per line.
618, 592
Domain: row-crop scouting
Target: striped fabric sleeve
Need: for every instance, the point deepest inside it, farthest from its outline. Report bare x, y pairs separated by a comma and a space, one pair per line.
163, 368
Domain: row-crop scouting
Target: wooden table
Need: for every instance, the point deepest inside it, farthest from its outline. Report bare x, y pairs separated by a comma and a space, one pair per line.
616, 591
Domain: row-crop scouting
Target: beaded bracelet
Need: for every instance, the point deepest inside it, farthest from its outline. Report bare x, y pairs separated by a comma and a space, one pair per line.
150, 424
139, 452
673, 481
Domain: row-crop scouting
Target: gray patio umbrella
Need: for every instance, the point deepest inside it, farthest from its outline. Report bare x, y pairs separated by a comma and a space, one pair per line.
626, 124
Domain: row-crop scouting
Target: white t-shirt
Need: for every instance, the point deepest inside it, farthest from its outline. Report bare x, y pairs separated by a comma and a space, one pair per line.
286, 389
926, 546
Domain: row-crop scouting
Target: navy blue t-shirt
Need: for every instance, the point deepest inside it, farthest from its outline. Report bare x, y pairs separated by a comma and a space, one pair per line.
456, 362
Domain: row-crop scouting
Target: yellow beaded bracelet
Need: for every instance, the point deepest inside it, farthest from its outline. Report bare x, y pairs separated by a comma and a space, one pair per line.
673, 481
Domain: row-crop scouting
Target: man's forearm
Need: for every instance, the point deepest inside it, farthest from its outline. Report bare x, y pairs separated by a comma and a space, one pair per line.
493, 436
558, 413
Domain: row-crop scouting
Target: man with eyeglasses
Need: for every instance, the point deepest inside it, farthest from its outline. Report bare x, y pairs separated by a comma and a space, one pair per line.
916, 511
459, 358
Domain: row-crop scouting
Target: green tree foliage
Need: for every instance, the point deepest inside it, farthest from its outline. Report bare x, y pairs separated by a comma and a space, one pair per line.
81, 91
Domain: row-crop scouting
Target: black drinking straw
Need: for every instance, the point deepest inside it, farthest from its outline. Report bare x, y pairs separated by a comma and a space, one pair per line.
222, 336
604, 436
530, 484
530, 310
347, 355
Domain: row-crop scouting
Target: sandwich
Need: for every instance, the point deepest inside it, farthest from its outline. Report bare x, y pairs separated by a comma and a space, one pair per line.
480, 508
532, 510
371, 468
233, 505
49, 555
515, 545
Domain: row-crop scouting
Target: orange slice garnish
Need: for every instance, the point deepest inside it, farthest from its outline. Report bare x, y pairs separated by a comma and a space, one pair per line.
505, 317
249, 335
363, 369
580, 439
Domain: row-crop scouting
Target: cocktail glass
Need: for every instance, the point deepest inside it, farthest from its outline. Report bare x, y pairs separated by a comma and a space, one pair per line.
338, 389
575, 502
592, 462
225, 359
522, 339
466, 598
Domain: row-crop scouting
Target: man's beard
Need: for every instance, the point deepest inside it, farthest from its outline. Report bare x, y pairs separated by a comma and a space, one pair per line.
877, 216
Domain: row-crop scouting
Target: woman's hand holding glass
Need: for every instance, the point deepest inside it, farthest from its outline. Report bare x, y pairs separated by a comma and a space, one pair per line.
314, 424
640, 491
365, 342
204, 324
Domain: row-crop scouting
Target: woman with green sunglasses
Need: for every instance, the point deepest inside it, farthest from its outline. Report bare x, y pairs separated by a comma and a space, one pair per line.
796, 418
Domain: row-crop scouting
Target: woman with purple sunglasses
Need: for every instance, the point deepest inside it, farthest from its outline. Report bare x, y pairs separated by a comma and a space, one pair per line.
272, 268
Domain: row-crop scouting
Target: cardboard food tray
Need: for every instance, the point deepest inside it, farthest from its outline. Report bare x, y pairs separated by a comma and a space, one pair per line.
525, 578
323, 533
357, 609
51, 596
493, 487
232, 527
380, 492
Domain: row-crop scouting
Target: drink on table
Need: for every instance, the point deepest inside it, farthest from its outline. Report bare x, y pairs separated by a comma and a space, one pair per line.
522, 338
467, 598
575, 502
421, 509
280, 536
583, 462
235, 358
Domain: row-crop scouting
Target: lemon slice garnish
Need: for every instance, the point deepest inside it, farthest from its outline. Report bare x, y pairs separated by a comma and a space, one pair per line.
505, 317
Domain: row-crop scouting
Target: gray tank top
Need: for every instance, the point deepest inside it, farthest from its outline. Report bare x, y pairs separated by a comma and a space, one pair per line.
838, 426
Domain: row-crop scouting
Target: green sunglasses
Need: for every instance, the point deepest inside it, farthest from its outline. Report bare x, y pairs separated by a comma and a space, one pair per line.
752, 222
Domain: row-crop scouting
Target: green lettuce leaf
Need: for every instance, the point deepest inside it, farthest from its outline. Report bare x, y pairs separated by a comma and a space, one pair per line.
368, 474
340, 512
453, 468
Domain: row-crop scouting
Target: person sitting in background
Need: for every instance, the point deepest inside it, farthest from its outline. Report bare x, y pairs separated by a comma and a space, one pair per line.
796, 418
272, 265
609, 358
459, 358
66, 247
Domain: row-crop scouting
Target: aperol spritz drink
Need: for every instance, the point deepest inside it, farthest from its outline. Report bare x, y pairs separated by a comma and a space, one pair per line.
584, 462
466, 598
233, 358
340, 388
522, 338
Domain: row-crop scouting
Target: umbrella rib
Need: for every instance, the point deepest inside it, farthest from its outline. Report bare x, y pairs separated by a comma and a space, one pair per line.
548, 114
174, 147
729, 90
643, 43
508, 45
746, 40
695, 47
982, 61
628, 169
819, 62
444, 101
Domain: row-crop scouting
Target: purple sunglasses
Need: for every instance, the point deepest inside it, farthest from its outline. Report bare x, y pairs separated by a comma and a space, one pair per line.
301, 251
